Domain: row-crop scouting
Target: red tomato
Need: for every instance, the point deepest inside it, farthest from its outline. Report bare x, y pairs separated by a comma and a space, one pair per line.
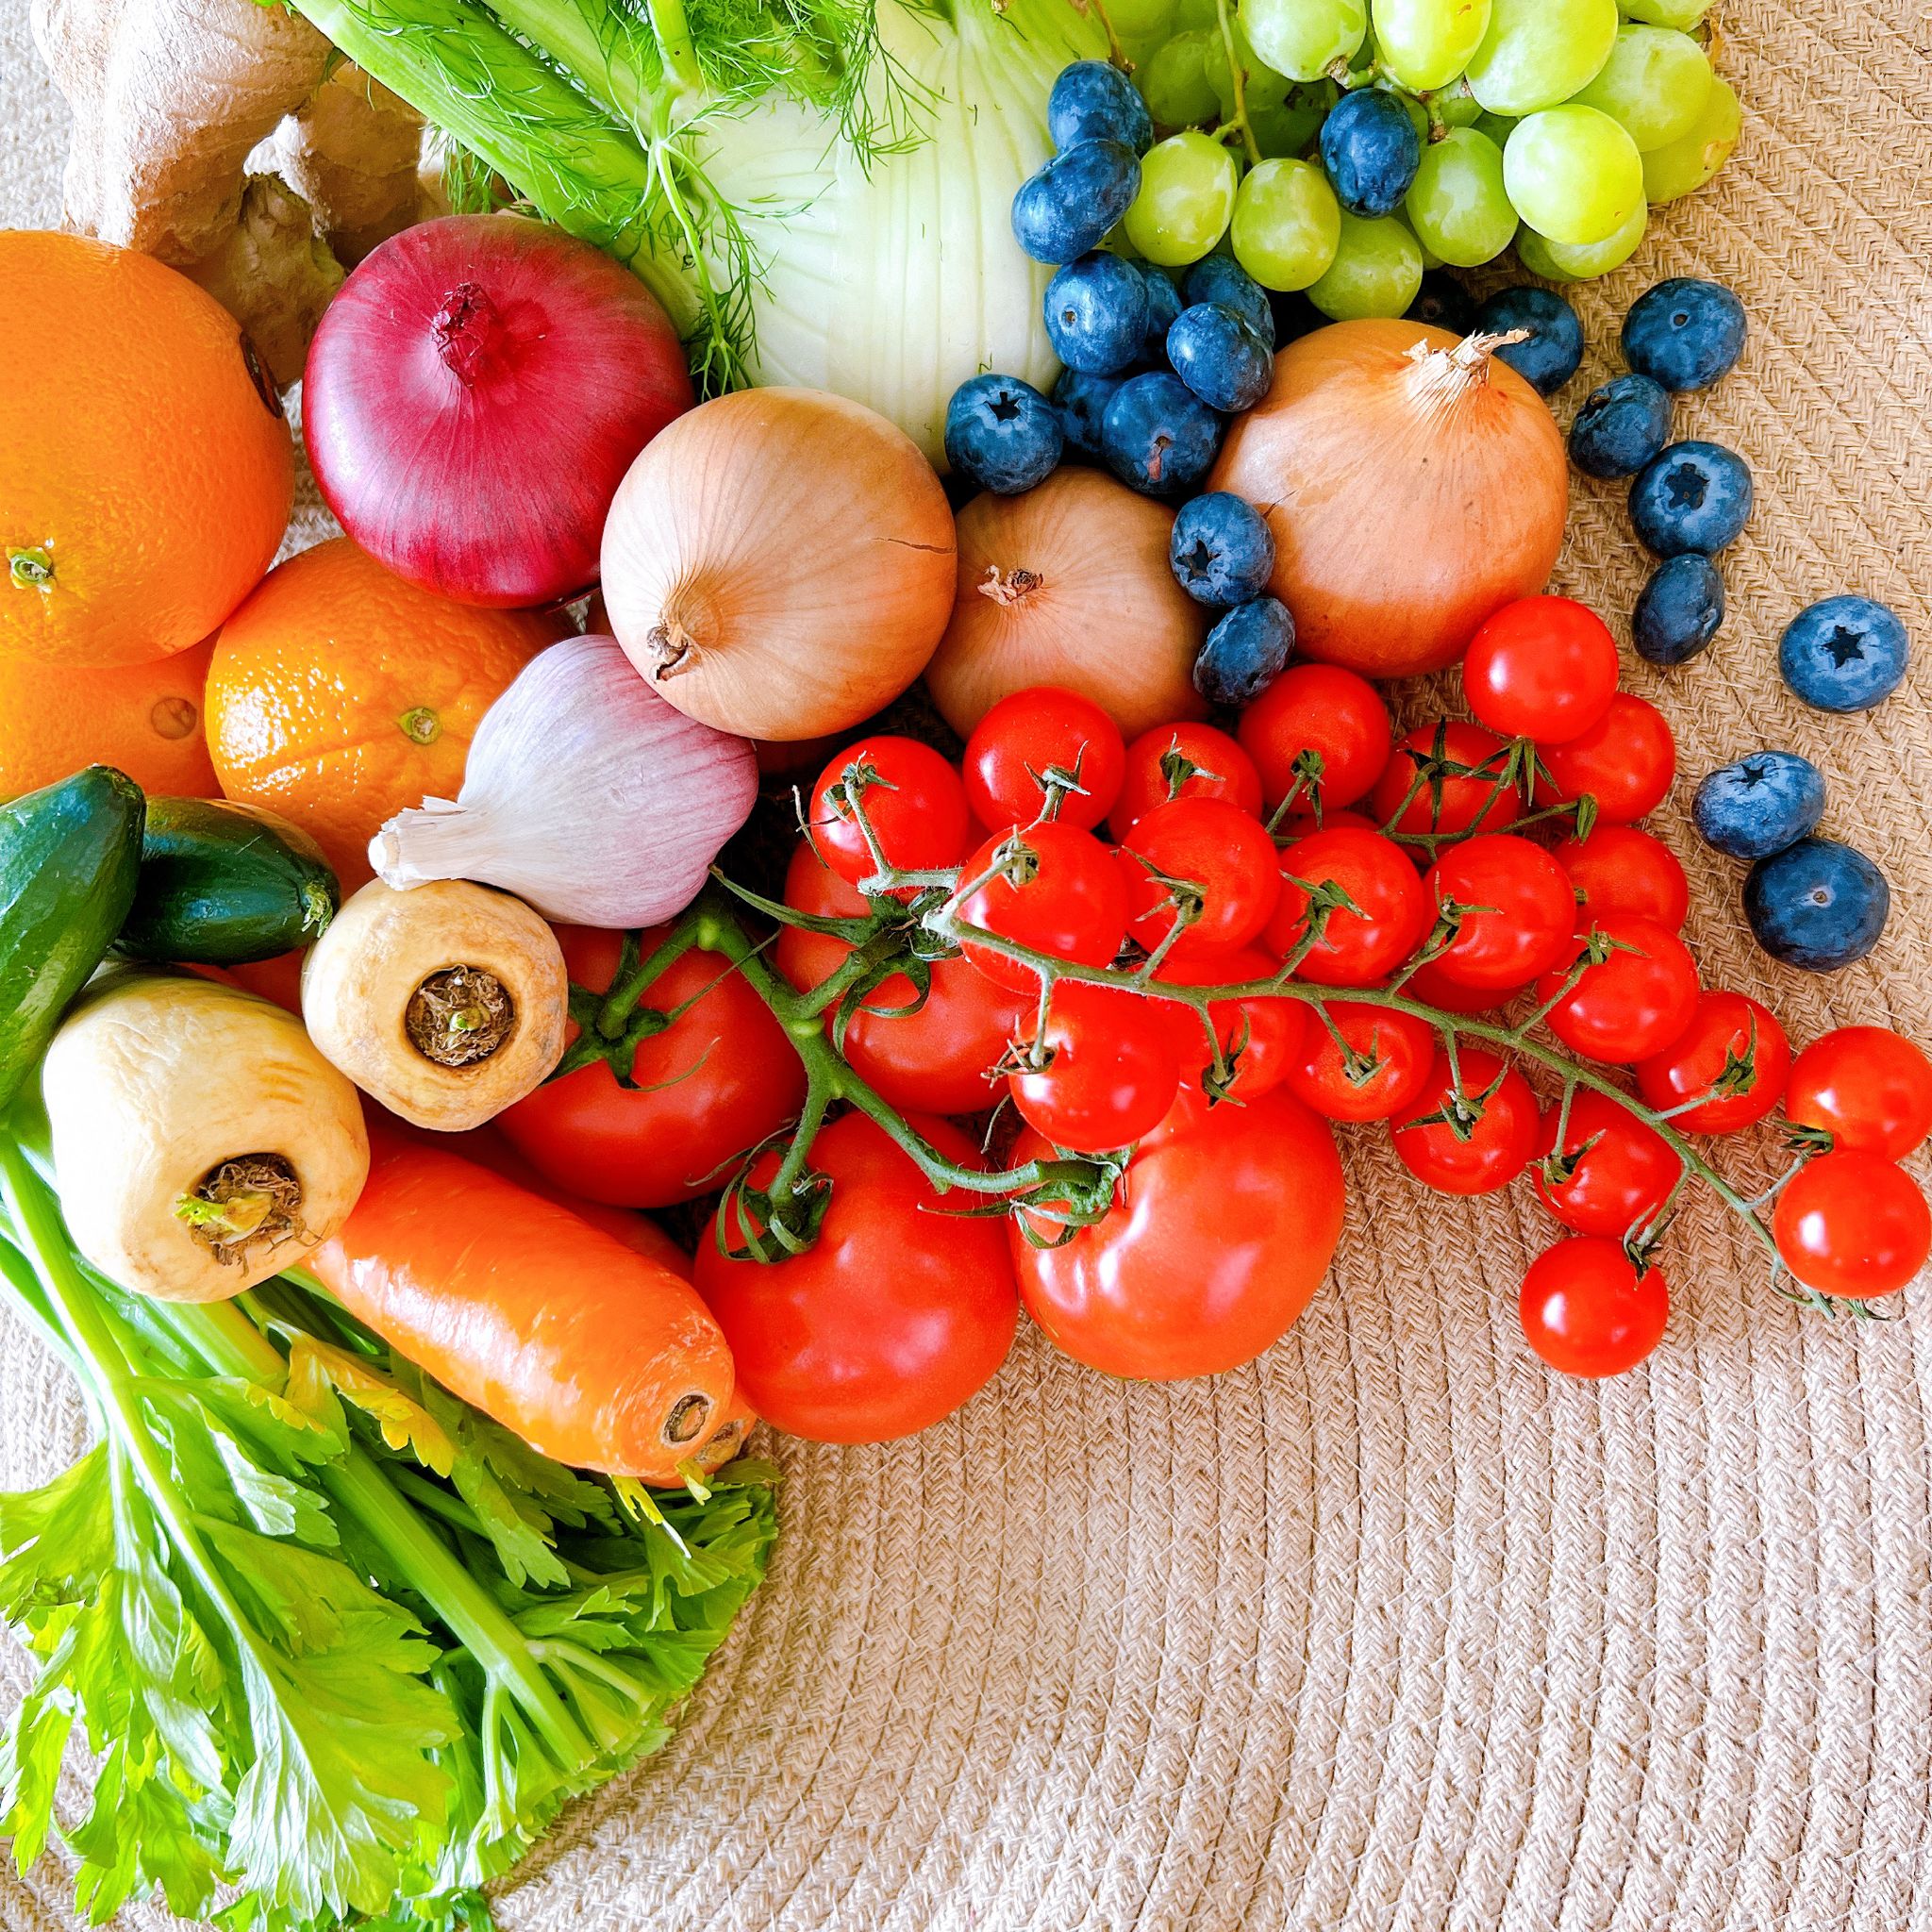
1521, 912
1434, 989
1625, 762
1472, 1137
902, 1309
1380, 1064
1612, 1174
1221, 1230
1320, 731
911, 798
1630, 1005
1184, 761
1223, 863
1853, 1224
1542, 668
1038, 738
1261, 1038
1067, 898
1867, 1088
1446, 777
1106, 1072
714, 1082
1299, 825
1620, 869
1727, 1031
1358, 947
1588, 1311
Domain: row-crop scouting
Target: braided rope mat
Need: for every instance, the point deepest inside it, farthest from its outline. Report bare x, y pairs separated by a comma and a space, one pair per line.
1394, 1629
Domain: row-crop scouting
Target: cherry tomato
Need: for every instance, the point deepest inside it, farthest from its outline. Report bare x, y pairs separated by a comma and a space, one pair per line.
1434, 989
1625, 762
1445, 777
1067, 897
1298, 825
1727, 1030
1358, 947
1542, 668
1632, 1003
1522, 910
899, 1312
1221, 1230
1472, 1137
1379, 1066
1184, 761
1223, 867
1261, 1038
1853, 1224
911, 798
1612, 1174
1106, 1074
1620, 869
714, 1082
1588, 1311
1318, 730
1866, 1086
1040, 737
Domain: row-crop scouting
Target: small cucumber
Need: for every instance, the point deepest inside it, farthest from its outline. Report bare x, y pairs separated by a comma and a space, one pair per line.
222, 884
69, 855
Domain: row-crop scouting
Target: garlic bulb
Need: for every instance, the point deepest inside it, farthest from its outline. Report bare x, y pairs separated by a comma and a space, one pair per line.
585, 794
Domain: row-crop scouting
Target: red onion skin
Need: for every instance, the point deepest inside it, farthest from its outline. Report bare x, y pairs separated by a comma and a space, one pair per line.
474, 397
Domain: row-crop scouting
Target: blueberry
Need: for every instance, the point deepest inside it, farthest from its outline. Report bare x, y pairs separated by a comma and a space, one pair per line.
1244, 653
1221, 279
1095, 311
1219, 357
1760, 805
1371, 150
1442, 302
1844, 654
1817, 904
1692, 496
1068, 207
1221, 549
1094, 100
1163, 305
1002, 434
1159, 436
1621, 426
1678, 610
1683, 334
1548, 360
1082, 400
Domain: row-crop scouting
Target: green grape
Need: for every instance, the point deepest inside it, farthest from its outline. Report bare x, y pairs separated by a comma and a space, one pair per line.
1689, 163
1457, 204
1148, 22
1418, 114
1174, 83
1188, 185
1377, 268
1539, 52
1427, 43
1574, 175
1430, 258
1290, 129
1453, 106
1287, 223
1193, 15
1556, 263
1261, 87
1304, 39
1681, 14
1654, 85
1499, 127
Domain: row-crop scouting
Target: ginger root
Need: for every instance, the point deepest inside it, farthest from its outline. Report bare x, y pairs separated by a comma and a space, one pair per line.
355, 154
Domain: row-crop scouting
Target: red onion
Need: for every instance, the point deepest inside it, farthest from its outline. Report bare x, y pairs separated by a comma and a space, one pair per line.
476, 394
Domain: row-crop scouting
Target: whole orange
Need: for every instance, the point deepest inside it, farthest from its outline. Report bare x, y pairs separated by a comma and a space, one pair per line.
146, 719
339, 695
146, 471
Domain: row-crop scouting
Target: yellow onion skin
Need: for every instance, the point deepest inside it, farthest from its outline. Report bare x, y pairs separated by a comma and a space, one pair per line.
1070, 584
1414, 484
779, 563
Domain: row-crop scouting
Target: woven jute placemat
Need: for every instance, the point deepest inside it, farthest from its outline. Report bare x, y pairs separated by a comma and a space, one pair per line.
1394, 1629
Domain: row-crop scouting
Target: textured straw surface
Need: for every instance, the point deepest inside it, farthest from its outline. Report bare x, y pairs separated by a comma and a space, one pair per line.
1395, 1631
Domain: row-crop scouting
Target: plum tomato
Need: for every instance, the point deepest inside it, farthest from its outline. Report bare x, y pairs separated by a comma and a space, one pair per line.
1183, 762
1587, 1310
1632, 1002
1041, 738
1321, 728
1733, 1060
1519, 911
1261, 1038
1868, 1088
1853, 1224
1221, 1230
1625, 762
1203, 860
1445, 777
1612, 1174
911, 798
902, 1309
1101, 1073
1377, 1066
1470, 1136
1358, 947
1064, 895
1542, 668
1621, 869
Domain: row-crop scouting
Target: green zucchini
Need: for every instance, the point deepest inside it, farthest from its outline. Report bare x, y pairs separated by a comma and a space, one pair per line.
69, 855
222, 884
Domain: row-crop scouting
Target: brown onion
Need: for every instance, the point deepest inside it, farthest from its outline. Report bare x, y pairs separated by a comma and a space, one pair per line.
1413, 483
779, 563
1069, 585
